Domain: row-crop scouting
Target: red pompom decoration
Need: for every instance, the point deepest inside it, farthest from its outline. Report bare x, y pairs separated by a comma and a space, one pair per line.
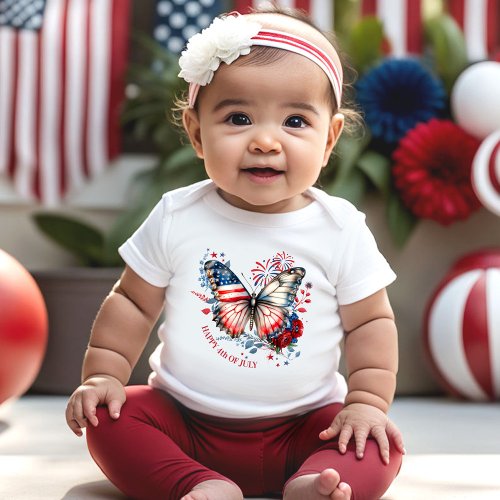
432, 169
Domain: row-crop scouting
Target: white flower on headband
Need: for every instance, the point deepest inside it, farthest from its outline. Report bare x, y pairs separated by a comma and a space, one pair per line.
224, 40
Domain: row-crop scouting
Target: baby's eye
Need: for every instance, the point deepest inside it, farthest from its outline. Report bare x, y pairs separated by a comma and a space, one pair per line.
295, 122
239, 119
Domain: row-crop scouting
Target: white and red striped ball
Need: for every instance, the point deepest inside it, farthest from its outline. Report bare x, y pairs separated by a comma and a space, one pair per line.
485, 175
462, 327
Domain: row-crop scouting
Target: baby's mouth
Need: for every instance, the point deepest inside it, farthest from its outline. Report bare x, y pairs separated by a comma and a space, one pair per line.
263, 171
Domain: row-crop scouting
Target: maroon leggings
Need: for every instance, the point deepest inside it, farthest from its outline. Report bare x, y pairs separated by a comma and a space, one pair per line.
160, 449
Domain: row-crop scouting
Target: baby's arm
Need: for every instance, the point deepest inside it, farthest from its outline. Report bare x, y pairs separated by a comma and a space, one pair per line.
119, 334
371, 354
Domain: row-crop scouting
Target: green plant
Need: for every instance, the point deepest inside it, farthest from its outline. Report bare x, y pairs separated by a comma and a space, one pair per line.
155, 87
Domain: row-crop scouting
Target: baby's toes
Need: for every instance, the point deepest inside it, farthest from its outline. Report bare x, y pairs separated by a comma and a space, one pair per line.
342, 492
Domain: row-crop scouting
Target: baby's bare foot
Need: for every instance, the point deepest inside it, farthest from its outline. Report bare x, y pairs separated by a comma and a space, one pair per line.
214, 490
324, 486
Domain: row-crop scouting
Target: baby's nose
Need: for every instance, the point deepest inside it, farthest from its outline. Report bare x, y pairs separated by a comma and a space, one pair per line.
265, 141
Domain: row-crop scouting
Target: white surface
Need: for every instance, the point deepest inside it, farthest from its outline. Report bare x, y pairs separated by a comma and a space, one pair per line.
453, 452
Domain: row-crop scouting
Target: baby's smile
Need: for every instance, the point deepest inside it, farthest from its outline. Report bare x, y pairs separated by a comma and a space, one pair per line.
263, 175
263, 171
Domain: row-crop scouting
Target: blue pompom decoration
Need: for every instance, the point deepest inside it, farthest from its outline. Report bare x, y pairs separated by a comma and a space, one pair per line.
398, 94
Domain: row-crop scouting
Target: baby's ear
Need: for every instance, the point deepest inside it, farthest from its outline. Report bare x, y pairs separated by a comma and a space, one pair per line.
191, 124
336, 127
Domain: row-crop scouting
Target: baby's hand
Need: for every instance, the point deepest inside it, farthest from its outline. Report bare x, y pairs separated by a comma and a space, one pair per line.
361, 420
82, 404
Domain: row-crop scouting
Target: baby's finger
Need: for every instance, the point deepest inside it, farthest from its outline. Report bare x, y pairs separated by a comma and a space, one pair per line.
72, 415
396, 437
344, 437
89, 402
75, 427
379, 433
360, 437
331, 432
114, 408
78, 414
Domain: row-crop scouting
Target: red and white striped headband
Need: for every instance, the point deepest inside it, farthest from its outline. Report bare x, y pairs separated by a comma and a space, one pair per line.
198, 70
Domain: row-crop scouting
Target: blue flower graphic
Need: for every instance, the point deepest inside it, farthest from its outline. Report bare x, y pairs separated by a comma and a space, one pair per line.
398, 94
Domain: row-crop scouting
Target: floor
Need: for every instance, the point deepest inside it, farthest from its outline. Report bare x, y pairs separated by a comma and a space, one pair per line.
453, 452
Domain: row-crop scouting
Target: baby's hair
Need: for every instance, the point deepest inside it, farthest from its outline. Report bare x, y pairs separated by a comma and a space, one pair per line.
262, 55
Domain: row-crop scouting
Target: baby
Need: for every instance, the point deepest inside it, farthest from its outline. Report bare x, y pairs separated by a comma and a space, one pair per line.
262, 277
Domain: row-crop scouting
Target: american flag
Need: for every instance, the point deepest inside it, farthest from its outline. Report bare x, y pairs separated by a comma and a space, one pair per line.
402, 21
228, 288
179, 20
480, 23
320, 11
61, 83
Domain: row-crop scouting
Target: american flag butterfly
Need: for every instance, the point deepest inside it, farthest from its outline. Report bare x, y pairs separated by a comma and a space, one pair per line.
235, 307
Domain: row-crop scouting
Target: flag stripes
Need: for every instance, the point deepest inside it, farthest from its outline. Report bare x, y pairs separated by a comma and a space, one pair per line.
320, 11
479, 21
60, 89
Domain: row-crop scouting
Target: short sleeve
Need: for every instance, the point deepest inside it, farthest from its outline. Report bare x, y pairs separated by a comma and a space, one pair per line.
362, 269
145, 252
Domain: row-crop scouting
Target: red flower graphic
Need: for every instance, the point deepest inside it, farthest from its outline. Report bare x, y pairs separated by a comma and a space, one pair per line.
297, 328
283, 340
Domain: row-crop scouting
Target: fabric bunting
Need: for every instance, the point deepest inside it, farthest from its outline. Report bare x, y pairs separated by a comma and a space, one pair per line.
479, 20
321, 11
402, 20
62, 64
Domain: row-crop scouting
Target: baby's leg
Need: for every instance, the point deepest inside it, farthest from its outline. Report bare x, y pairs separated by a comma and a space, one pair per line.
319, 463
147, 452
368, 478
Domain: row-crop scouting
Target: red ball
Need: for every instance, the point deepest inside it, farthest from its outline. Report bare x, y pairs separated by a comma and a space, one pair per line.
23, 328
462, 327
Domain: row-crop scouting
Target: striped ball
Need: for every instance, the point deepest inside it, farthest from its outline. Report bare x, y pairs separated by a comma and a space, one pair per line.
462, 327
486, 172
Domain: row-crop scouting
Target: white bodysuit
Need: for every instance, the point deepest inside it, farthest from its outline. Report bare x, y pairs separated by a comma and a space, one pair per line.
324, 254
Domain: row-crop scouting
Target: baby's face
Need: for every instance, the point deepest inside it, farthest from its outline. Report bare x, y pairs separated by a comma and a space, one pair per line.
265, 132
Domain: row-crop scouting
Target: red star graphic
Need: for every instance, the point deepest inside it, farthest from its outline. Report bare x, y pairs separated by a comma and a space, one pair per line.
277, 364
214, 255
270, 356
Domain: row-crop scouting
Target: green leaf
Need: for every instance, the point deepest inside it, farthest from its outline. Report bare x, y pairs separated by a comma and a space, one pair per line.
347, 152
378, 170
84, 241
448, 47
365, 43
184, 157
346, 13
351, 187
400, 220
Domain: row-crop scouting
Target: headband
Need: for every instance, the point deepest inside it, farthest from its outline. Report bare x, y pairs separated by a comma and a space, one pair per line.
230, 37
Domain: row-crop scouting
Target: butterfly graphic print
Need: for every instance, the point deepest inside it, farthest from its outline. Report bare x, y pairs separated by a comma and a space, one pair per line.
268, 310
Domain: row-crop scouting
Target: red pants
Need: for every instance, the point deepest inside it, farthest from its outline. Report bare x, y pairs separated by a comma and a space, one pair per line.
160, 449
